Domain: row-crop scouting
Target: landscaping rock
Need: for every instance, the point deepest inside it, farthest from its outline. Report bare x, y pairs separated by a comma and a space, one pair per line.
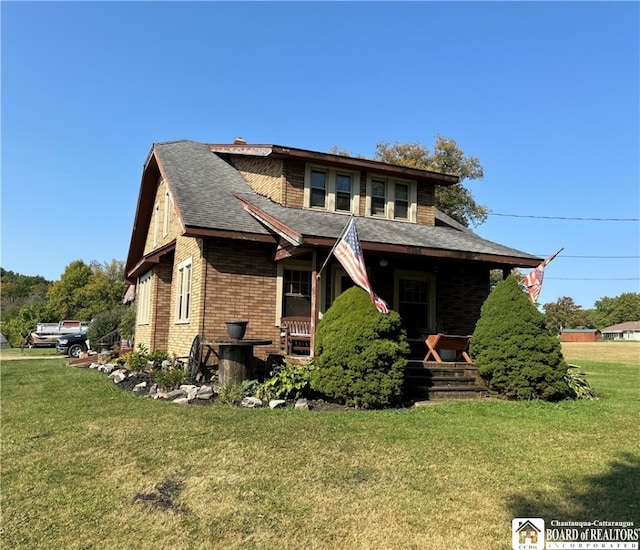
277, 403
301, 405
118, 376
204, 392
140, 387
251, 402
176, 394
153, 389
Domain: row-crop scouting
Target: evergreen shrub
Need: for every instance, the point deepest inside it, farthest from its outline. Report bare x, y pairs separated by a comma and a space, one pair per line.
513, 350
360, 353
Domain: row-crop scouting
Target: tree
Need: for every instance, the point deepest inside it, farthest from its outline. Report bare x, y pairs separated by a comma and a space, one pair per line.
513, 350
17, 290
66, 296
84, 291
565, 313
623, 308
360, 353
446, 157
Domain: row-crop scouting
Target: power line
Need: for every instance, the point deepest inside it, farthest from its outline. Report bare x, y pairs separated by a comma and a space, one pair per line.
566, 218
591, 279
596, 257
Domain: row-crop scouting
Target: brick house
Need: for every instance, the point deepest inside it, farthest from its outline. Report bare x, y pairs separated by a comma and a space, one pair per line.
240, 231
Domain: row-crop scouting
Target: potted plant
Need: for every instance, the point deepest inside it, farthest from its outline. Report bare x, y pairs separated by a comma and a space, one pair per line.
236, 329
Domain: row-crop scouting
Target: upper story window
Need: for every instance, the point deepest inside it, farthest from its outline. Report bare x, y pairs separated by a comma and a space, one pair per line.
391, 198
318, 191
331, 189
183, 296
167, 212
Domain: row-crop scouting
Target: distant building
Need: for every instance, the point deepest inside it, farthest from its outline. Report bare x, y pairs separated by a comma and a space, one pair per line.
580, 335
622, 331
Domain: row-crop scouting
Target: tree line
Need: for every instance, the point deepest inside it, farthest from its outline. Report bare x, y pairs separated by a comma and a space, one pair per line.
84, 292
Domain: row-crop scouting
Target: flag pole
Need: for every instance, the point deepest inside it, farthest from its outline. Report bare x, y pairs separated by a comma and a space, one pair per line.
344, 230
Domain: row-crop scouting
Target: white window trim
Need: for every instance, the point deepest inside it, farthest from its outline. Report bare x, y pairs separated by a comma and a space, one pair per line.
156, 223
183, 289
390, 201
330, 200
167, 212
144, 298
418, 276
296, 265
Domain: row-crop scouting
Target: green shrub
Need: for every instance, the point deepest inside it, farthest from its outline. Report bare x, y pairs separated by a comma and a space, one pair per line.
137, 360
127, 325
169, 379
232, 393
287, 381
578, 383
158, 357
360, 353
513, 350
103, 324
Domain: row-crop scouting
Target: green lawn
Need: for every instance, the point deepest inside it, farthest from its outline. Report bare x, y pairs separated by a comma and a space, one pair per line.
85, 465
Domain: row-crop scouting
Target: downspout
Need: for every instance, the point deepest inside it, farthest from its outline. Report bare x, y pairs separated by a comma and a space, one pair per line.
203, 294
314, 298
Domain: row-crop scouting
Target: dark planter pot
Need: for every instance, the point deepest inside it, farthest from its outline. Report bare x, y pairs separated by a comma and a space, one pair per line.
236, 329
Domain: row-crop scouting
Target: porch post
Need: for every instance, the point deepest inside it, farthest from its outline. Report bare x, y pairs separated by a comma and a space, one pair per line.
314, 298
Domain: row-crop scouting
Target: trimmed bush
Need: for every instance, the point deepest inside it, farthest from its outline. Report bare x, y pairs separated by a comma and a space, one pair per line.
513, 350
104, 323
360, 353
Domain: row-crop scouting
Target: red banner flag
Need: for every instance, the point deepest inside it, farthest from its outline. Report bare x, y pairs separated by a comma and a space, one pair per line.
349, 254
533, 281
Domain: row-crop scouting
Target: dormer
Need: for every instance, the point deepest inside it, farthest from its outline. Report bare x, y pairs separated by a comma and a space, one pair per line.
297, 178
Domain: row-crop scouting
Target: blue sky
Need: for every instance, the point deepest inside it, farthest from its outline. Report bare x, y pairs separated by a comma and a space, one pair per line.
545, 94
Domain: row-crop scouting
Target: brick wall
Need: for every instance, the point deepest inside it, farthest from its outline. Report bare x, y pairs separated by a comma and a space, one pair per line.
240, 284
461, 289
294, 192
425, 211
181, 334
158, 221
264, 175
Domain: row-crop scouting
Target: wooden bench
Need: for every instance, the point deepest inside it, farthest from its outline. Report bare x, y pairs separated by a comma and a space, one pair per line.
295, 335
454, 342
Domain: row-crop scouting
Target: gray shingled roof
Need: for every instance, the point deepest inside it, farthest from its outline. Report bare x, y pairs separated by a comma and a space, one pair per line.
204, 186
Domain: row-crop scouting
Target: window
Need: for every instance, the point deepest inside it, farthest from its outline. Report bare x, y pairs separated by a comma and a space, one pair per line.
343, 192
318, 189
156, 222
297, 293
378, 198
167, 212
401, 206
144, 298
183, 297
391, 199
331, 189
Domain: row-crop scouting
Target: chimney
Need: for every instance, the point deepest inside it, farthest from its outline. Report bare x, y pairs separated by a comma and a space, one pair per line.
239, 141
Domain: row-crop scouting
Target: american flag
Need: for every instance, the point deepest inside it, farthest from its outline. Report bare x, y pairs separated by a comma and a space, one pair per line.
349, 254
533, 281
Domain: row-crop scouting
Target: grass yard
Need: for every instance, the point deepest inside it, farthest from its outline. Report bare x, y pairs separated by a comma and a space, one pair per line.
85, 465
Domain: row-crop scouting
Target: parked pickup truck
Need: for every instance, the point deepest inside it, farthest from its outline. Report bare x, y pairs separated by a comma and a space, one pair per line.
72, 344
46, 334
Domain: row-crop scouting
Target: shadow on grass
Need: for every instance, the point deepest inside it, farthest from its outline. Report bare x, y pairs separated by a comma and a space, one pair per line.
611, 496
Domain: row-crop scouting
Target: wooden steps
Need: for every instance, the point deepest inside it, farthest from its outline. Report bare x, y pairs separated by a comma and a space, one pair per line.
441, 381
